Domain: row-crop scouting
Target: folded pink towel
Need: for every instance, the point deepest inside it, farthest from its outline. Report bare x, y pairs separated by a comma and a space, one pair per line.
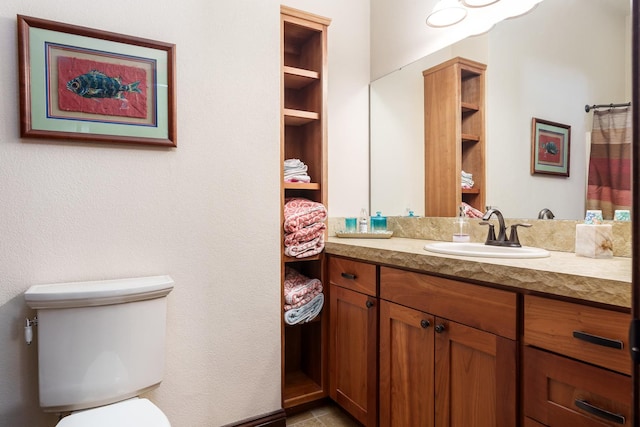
306, 249
299, 289
298, 237
470, 212
300, 213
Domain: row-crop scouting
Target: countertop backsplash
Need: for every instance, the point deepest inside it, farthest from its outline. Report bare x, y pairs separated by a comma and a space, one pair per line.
553, 235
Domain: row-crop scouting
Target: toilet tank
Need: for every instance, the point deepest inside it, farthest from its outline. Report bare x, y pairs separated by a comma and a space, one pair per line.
99, 342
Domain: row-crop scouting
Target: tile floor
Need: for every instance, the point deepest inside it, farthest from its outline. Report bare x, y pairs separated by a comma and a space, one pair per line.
329, 415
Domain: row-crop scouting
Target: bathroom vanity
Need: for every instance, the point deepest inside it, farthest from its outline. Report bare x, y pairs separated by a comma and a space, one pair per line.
418, 338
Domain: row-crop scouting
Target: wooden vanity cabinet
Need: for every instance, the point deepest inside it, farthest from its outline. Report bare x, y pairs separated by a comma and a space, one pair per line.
448, 352
576, 364
353, 335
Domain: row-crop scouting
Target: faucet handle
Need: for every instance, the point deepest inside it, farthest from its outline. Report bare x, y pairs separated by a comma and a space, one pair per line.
492, 231
513, 236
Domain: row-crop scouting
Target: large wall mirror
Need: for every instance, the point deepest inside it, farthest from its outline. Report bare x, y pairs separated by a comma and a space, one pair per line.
547, 64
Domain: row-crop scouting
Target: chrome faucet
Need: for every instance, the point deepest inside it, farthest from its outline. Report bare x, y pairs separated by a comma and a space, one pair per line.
546, 214
501, 239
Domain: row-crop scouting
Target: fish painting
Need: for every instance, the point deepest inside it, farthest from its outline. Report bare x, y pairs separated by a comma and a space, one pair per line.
550, 147
96, 84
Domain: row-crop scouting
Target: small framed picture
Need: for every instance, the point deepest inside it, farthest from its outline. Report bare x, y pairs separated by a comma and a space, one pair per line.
550, 147
88, 85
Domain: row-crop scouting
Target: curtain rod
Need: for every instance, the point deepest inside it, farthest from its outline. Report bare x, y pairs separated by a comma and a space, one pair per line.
594, 106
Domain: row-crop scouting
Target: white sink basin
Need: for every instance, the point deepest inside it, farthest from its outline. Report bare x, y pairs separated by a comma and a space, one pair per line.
482, 250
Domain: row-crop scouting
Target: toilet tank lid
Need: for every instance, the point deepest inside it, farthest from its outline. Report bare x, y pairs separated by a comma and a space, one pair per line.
99, 292
134, 412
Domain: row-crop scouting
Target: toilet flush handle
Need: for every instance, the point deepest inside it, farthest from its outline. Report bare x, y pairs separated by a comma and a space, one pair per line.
28, 329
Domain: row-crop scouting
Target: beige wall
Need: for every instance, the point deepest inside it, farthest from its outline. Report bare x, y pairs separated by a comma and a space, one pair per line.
205, 213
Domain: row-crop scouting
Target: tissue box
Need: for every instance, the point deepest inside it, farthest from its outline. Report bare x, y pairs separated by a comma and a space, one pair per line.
594, 241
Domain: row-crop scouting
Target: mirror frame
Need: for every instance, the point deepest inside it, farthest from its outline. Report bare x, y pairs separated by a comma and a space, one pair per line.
635, 214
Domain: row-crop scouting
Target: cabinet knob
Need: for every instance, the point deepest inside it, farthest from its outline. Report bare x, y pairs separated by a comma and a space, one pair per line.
369, 304
425, 323
440, 328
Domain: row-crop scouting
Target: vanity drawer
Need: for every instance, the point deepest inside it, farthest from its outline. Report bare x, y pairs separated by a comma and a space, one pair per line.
559, 391
585, 333
480, 307
354, 275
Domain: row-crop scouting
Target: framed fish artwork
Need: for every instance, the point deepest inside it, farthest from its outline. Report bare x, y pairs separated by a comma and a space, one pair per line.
550, 147
87, 85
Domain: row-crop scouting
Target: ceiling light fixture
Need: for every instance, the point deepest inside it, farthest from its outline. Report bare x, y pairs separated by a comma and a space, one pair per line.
446, 13
478, 3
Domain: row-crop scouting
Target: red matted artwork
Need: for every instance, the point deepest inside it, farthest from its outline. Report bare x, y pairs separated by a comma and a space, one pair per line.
111, 90
77, 83
550, 147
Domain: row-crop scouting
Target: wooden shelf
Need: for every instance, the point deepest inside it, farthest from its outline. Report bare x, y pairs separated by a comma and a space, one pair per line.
454, 136
301, 186
468, 107
303, 135
470, 138
287, 259
297, 78
300, 388
299, 117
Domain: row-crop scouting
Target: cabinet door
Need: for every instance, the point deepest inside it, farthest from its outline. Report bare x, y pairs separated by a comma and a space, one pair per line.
406, 367
353, 353
590, 334
475, 384
559, 392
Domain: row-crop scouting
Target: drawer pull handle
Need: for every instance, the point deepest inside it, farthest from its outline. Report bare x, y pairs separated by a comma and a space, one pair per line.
594, 339
348, 276
599, 412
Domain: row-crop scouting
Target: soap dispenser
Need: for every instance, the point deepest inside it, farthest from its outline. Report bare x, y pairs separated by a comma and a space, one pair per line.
363, 221
461, 228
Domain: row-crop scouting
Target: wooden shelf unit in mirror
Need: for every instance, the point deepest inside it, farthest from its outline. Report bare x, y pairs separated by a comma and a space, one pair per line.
454, 97
303, 136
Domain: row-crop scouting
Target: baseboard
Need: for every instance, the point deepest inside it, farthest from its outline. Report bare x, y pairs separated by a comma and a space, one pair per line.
273, 419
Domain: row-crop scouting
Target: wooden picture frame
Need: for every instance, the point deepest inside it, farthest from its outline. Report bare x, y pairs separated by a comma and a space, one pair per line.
82, 84
550, 147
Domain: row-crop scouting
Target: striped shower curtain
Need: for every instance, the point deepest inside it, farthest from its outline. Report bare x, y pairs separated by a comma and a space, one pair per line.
609, 181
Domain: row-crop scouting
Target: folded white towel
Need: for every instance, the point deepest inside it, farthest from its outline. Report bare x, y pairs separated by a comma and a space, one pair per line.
467, 180
293, 163
297, 178
306, 312
295, 171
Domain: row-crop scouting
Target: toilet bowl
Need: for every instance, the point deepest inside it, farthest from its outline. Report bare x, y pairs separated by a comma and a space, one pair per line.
101, 346
135, 412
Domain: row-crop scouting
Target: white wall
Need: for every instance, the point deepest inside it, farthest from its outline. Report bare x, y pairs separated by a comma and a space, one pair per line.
400, 35
348, 102
205, 213
519, 89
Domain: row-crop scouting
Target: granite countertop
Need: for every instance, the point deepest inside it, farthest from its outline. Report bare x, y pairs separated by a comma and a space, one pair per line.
606, 281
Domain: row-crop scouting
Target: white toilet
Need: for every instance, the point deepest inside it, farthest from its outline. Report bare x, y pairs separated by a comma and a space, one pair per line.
101, 345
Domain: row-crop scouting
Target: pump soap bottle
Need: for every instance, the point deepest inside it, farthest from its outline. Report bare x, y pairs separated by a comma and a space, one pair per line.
461, 228
363, 221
